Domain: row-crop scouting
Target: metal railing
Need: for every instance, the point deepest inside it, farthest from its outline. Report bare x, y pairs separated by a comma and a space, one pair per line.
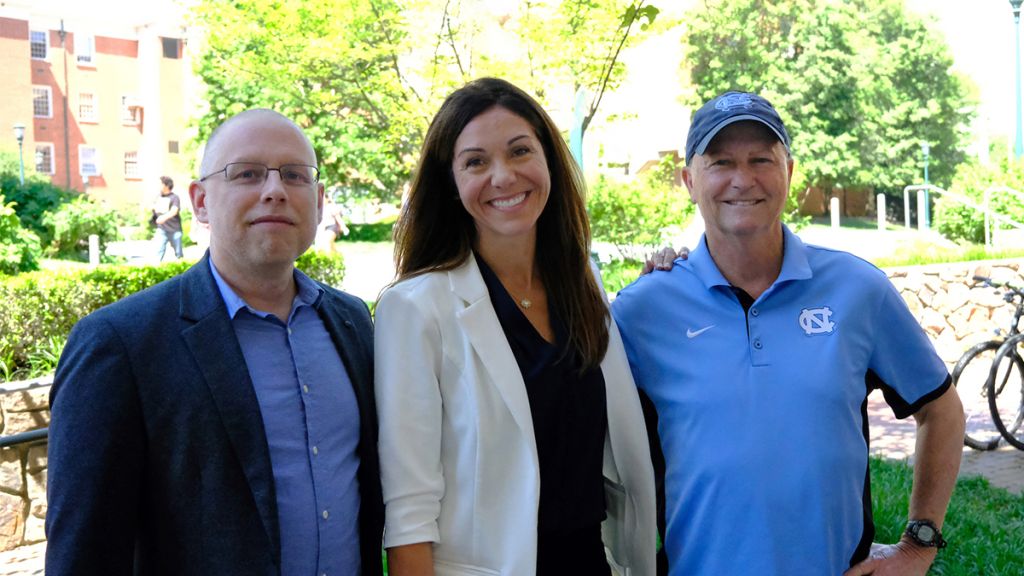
30, 437
986, 208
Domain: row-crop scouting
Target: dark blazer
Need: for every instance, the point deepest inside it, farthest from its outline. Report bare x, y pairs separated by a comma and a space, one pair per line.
158, 460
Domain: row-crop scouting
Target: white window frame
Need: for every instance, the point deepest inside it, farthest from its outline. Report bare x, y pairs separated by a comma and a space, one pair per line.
130, 110
46, 44
94, 118
133, 159
83, 151
53, 168
85, 49
49, 101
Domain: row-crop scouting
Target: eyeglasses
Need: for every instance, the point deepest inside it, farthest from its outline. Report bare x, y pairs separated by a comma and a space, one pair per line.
255, 174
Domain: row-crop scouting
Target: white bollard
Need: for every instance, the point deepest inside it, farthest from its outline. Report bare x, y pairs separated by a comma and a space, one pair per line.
94, 250
833, 206
880, 209
922, 212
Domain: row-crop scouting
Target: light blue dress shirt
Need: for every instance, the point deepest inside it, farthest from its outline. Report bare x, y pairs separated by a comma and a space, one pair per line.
311, 419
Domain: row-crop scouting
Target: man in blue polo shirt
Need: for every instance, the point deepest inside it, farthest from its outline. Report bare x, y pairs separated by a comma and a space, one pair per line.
759, 353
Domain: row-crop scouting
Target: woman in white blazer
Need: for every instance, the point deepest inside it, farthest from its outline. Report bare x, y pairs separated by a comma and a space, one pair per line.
512, 440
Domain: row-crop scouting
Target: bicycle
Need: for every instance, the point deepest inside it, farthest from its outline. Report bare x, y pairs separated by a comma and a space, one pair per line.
990, 370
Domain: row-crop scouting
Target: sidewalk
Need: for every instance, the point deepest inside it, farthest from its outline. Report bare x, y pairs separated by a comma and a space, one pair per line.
894, 439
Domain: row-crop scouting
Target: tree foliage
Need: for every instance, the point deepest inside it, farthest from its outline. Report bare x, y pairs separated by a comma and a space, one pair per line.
636, 217
860, 83
332, 66
364, 77
1003, 179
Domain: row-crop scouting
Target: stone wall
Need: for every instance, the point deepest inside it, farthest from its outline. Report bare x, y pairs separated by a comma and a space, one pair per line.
953, 313
24, 406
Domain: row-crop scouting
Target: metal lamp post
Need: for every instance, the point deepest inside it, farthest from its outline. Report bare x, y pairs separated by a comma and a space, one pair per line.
925, 150
19, 135
1018, 147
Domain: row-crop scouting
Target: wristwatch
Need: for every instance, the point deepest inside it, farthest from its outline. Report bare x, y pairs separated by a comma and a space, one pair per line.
925, 533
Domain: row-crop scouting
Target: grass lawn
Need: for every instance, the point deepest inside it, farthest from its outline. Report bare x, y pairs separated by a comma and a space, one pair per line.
984, 525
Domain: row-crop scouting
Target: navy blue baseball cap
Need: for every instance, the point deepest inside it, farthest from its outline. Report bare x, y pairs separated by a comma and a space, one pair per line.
725, 109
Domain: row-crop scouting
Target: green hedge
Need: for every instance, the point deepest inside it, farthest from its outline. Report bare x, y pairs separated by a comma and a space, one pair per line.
375, 232
40, 308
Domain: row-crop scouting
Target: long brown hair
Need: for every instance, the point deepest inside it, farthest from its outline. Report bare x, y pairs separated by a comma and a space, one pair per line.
434, 232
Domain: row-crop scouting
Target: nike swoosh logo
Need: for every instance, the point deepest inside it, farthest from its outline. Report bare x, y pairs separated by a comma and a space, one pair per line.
695, 333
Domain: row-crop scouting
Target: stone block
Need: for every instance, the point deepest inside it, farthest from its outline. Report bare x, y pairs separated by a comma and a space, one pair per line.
933, 323
37, 507
12, 520
27, 400
16, 422
11, 477
37, 486
36, 458
926, 295
35, 529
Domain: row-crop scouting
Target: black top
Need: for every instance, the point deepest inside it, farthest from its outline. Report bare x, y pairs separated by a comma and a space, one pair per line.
570, 421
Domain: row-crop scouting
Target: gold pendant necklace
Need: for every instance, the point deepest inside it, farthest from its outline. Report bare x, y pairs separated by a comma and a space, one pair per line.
525, 303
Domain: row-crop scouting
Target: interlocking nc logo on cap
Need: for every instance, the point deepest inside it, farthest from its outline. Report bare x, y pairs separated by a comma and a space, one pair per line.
730, 101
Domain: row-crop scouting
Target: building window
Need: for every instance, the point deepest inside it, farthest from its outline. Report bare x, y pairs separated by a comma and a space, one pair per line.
38, 44
172, 146
131, 165
88, 111
171, 48
85, 49
44, 158
88, 161
42, 102
130, 110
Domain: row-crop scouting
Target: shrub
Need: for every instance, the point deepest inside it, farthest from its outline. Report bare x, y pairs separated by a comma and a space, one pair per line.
956, 221
40, 308
19, 248
71, 224
33, 200
636, 216
373, 232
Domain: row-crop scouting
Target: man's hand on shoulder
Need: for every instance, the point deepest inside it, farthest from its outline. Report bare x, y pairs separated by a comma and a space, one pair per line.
900, 559
663, 259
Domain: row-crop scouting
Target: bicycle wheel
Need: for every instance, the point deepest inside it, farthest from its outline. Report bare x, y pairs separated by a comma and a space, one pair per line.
970, 376
1005, 391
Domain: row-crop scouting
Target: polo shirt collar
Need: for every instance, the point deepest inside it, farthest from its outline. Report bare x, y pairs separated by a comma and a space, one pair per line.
309, 293
794, 262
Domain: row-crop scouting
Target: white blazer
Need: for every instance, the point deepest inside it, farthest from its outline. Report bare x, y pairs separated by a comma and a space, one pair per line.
458, 458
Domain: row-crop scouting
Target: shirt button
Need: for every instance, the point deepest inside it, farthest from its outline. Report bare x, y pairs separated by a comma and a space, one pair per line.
315, 450
305, 388
757, 344
325, 514
754, 312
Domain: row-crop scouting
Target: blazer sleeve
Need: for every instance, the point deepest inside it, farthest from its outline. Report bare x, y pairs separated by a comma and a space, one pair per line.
407, 369
95, 456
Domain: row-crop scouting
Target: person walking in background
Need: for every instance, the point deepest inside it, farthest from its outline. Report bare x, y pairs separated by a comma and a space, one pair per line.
758, 353
331, 226
167, 219
223, 421
512, 439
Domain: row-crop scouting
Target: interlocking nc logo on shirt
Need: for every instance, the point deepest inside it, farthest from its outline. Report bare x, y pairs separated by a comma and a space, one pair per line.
816, 320
734, 101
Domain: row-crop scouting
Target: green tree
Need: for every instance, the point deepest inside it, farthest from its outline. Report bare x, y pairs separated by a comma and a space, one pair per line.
332, 66
19, 248
860, 84
364, 77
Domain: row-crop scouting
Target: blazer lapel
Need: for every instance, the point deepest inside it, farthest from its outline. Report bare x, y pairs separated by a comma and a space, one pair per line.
480, 324
212, 341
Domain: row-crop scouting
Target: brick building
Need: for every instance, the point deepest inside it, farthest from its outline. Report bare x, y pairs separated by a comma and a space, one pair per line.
105, 97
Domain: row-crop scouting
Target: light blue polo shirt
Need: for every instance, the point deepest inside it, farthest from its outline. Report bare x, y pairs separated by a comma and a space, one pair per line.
762, 414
